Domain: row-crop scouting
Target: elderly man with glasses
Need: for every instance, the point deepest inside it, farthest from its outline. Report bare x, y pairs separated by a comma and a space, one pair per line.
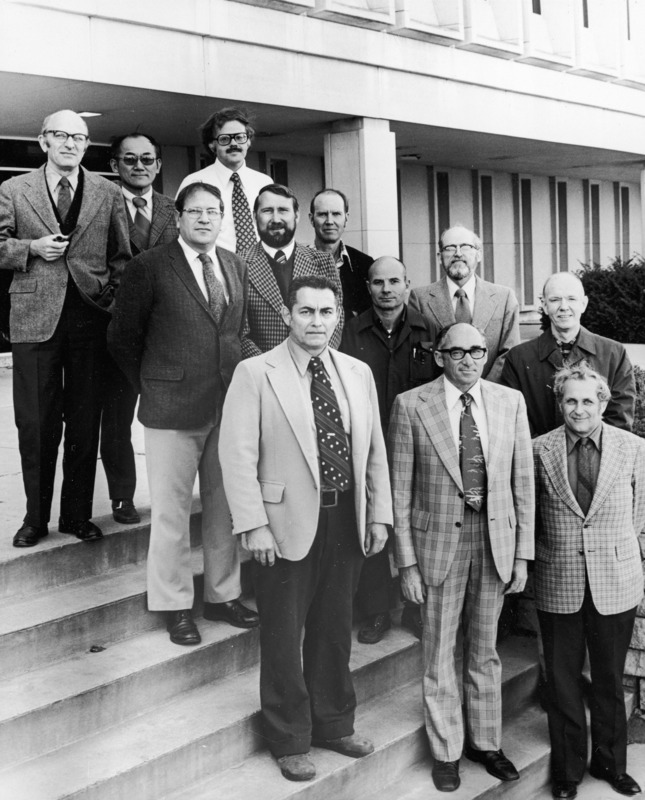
227, 135
64, 234
462, 485
462, 296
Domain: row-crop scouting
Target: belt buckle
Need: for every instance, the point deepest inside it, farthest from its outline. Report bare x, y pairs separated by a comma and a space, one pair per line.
328, 498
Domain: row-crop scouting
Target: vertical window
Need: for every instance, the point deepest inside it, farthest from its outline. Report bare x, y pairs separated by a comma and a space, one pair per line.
279, 171
537, 7
443, 201
432, 216
523, 224
585, 13
559, 225
595, 222
628, 21
621, 216
486, 197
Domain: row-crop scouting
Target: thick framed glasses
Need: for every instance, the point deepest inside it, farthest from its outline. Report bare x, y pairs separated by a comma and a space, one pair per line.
225, 139
130, 161
451, 249
195, 213
63, 136
457, 353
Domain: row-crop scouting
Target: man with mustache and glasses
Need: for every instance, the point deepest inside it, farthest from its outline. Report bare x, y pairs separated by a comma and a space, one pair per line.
462, 296
227, 134
273, 263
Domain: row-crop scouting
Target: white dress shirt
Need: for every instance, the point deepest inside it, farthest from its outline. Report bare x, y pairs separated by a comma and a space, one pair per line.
287, 249
218, 175
468, 287
192, 256
53, 180
455, 407
146, 210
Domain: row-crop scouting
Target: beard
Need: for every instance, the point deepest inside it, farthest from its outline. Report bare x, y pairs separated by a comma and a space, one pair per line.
458, 270
277, 236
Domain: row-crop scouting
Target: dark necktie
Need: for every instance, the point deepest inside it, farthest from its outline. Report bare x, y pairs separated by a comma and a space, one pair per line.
335, 468
64, 198
216, 297
141, 222
471, 457
586, 474
462, 309
242, 221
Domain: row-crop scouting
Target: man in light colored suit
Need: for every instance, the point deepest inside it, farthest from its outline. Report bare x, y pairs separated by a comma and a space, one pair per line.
64, 233
136, 158
178, 321
273, 263
590, 485
306, 477
462, 296
462, 482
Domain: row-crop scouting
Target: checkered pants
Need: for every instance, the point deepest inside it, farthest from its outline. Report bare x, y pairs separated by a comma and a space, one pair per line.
469, 603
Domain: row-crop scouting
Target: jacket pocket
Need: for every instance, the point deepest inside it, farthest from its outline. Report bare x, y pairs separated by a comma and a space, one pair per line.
28, 285
543, 553
162, 373
272, 491
627, 550
420, 519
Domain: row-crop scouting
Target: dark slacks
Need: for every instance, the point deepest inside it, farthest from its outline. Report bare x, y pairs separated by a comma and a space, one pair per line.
117, 455
566, 637
373, 593
310, 691
54, 383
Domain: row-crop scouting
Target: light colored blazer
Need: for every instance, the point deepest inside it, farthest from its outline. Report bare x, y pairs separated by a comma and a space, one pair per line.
269, 457
427, 486
605, 542
97, 253
496, 314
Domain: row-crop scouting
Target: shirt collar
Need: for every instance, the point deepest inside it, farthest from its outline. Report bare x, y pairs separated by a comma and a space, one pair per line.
468, 287
191, 254
147, 195
397, 325
301, 357
53, 177
573, 438
453, 394
224, 173
287, 249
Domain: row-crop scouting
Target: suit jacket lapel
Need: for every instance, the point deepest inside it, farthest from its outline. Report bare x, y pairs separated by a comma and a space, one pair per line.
91, 202
161, 216
497, 426
233, 285
610, 466
182, 268
262, 277
554, 461
484, 305
352, 384
433, 414
301, 262
441, 306
37, 196
135, 235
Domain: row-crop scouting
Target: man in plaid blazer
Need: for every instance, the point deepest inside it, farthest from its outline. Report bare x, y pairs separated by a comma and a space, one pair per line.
590, 483
272, 264
461, 546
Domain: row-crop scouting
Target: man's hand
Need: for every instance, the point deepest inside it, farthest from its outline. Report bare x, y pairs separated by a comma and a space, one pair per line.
49, 248
412, 585
262, 546
518, 578
375, 538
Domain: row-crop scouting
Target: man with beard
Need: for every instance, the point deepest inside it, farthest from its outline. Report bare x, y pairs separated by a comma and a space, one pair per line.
227, 134
461, 296
273, 263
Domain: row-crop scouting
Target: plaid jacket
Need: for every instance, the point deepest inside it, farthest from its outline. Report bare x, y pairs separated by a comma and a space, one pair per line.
427, 486
605, 542
266, 328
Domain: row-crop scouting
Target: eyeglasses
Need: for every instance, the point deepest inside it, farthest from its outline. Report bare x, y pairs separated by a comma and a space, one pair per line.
451, 249
63, 136
225, 139
131, 161
457, 353
195, 213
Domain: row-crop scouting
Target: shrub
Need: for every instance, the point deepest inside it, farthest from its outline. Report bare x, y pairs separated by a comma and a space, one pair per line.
639, 414
616, 295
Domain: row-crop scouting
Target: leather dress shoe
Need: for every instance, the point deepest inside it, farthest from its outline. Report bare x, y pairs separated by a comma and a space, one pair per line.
124, 512
564, 790
297, 768
181, 627
411, 619
374, 629
83, 529
353, 745
29, 535
232, 612
445, 775
495, 762
621, 783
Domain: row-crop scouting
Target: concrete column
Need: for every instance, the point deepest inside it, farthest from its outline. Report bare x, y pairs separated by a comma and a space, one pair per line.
360, 160
642, 250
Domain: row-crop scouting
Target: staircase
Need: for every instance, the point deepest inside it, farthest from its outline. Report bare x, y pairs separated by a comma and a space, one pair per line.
96, 702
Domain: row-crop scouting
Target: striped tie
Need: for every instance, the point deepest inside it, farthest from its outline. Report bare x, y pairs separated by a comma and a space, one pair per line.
216, 296
332, 441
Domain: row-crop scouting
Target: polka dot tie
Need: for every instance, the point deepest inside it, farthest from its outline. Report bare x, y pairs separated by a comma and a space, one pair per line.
471, 457
242, 221
332, 440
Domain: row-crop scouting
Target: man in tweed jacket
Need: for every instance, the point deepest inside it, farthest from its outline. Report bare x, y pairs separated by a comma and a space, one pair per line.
590, 483
458, 557
272, 264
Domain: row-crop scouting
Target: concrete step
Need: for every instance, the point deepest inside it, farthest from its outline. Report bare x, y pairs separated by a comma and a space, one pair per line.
198, 731
394, 721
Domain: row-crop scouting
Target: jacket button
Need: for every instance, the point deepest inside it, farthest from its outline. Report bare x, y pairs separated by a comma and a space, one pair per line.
457, 524
461, 495
581, 552
586, 525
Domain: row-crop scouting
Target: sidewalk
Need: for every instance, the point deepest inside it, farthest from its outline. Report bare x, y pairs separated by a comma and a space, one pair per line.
12, 495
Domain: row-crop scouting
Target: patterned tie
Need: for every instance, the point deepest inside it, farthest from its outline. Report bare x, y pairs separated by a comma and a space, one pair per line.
471, 457
216, 298
462, 309
64, 198
586, 474
332, 441
242, 221
141, 222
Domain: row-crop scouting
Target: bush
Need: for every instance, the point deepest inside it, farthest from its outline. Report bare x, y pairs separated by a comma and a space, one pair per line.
639, 414
616, 295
